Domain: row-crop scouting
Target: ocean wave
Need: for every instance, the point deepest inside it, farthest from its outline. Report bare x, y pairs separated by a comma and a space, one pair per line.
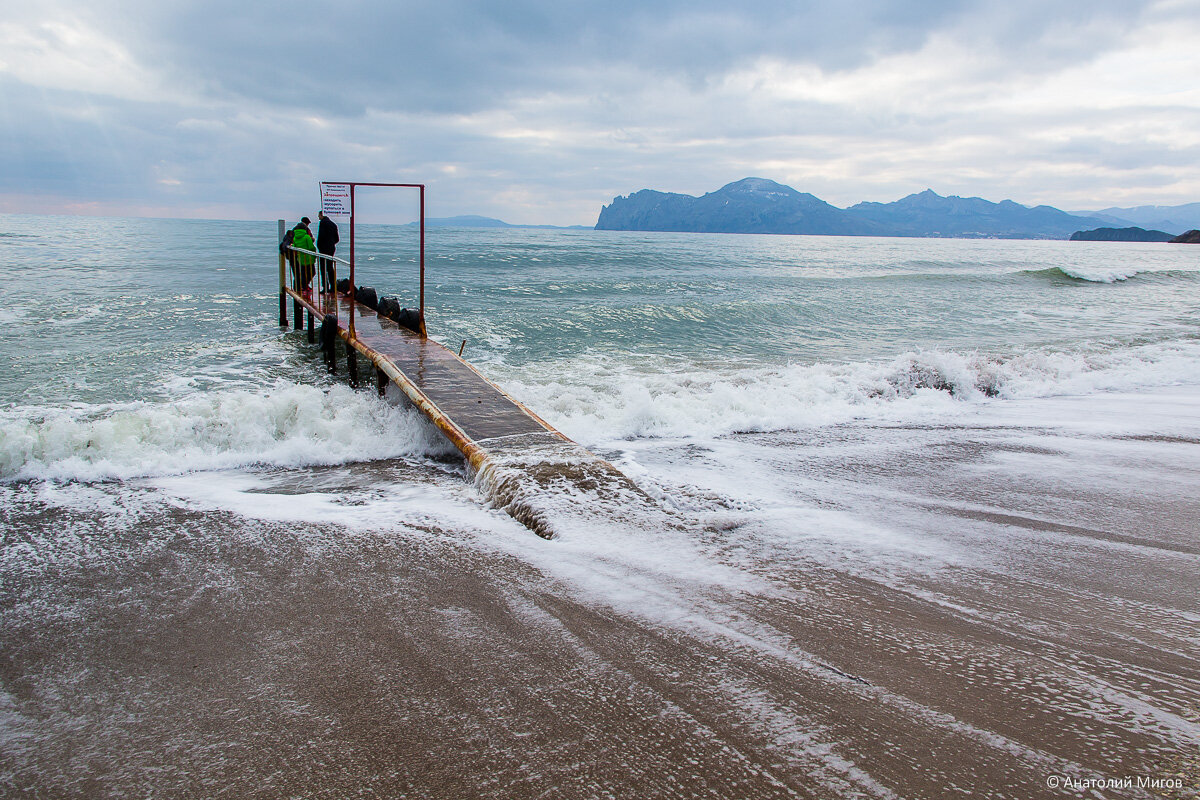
1076, 273
1110, 274
286, 425
597, 400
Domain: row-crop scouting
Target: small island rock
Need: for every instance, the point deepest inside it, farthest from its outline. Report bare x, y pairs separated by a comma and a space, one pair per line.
1120, 235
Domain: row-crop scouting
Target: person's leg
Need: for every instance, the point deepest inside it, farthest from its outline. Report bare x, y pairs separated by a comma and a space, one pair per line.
327, 274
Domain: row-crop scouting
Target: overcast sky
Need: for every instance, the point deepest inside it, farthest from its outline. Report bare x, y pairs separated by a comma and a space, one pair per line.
540, 111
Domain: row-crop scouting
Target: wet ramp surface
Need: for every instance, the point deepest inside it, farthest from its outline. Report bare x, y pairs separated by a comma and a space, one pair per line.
480, 409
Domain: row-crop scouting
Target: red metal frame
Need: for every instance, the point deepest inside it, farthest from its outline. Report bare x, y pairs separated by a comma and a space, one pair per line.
354, 184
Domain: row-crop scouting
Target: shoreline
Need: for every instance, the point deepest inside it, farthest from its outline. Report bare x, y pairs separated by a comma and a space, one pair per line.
918, 608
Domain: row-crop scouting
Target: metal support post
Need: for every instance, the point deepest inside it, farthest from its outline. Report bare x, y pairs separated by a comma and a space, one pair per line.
353, 285
422, 297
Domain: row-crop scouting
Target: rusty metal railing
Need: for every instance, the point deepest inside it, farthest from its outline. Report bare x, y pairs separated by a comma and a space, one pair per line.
330, 286
349, 263
292, 272
354, 185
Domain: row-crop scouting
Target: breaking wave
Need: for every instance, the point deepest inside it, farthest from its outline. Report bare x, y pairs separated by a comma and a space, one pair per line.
1110, 274
597, 400
286, 425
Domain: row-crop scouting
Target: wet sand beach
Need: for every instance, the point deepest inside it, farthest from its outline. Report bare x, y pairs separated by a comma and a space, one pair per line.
984, 608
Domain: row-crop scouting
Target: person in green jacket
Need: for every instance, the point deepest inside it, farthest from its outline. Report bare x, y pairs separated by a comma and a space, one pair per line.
302, 238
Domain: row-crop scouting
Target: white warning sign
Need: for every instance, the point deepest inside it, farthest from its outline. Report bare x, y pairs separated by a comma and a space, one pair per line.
335, 199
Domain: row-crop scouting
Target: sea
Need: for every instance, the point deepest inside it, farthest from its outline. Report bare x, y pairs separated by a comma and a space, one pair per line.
920, 518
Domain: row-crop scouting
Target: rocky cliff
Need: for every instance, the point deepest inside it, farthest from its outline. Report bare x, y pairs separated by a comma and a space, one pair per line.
757, 205
751, 205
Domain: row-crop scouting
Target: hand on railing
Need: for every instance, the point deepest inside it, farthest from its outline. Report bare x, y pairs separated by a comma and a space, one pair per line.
304, 267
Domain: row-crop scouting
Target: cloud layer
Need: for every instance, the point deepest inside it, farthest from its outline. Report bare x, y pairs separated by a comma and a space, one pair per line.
541, 111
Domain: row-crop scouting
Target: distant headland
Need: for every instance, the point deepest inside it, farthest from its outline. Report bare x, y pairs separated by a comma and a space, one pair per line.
1134, 234
758, 205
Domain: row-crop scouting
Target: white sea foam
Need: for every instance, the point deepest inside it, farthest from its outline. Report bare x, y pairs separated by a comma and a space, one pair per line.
288, 425
595, 400
600, 400
383, 505
1101, 274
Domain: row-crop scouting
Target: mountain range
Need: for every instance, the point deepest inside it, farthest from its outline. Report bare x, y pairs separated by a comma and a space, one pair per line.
757, 205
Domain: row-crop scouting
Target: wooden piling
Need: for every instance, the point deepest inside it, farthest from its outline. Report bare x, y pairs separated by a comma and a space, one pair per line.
283, 320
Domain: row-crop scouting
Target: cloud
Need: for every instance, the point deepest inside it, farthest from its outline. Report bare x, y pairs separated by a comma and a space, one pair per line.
65, 53
467, 55
541, 111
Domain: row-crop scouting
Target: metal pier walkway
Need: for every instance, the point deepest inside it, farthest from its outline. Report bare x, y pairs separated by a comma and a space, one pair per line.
512, 451
466, 406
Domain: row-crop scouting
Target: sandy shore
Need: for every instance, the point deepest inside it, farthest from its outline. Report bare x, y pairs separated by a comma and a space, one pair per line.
1024, 613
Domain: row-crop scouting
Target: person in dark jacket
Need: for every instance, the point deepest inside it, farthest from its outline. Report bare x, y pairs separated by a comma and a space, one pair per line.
327, 239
